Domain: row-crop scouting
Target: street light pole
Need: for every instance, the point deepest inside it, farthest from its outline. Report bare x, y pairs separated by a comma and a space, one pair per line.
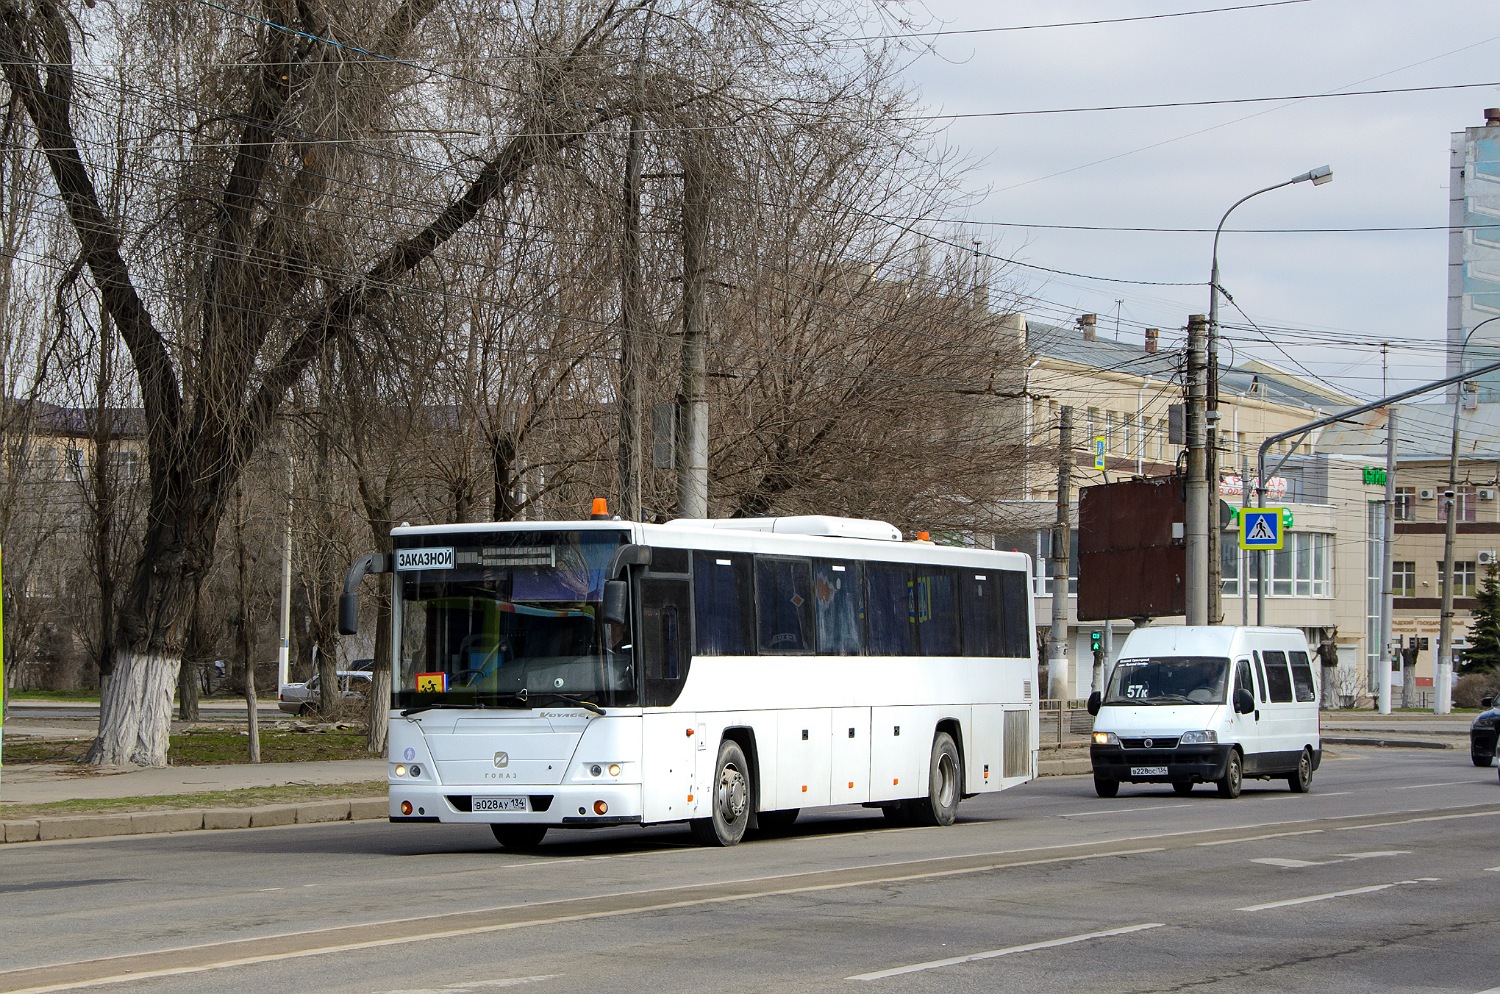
1213, 566
1443, 672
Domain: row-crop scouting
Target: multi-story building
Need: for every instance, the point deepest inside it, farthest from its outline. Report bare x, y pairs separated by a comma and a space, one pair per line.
1124, 393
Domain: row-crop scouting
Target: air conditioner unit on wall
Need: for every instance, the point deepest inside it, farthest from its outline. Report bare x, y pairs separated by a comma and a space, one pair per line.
1486, 557
1427, 493
1486, 493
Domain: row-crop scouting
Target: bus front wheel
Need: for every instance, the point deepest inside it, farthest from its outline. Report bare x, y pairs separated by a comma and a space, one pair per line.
944, 785
730, 799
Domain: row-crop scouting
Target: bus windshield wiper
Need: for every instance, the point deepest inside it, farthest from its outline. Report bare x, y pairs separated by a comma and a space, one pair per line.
436, 705
571, 699
525, 698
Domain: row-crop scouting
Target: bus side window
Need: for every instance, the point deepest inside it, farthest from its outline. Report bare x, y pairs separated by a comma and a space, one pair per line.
1015, 632
665, 638
783, 605
839, 592
892, 609
723, 604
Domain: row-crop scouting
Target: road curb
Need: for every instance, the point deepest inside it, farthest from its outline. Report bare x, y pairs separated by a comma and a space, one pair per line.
47, 829
1359, 740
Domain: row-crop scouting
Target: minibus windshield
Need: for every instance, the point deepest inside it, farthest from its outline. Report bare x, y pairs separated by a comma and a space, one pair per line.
1169, 680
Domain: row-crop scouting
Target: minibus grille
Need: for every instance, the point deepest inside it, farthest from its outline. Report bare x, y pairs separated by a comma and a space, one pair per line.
1151, 743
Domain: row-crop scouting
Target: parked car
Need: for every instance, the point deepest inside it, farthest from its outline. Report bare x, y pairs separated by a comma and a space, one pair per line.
302, 698
1483, 732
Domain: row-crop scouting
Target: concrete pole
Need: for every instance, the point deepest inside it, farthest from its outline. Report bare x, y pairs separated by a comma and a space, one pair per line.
1387, 560
284, 651
1057, 642
1442, 681
1198, 495
692, 395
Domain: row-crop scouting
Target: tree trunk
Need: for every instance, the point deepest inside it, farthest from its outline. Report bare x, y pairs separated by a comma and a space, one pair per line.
135, 711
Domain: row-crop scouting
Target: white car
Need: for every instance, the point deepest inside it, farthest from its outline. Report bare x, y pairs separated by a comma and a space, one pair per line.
302, 698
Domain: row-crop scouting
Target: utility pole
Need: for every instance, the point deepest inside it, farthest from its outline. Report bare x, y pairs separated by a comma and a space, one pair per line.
1197, 471
1057, 643
1387, 560
632, 306
692, 395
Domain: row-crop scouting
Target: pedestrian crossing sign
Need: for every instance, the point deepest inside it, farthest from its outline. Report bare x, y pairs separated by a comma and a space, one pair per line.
1260, 528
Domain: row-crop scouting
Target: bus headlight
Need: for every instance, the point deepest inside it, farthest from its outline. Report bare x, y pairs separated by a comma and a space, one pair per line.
614, 769
400, 770
1106, 739
1205, 737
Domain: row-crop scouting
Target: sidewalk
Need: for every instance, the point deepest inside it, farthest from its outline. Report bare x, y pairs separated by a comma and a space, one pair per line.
43, 783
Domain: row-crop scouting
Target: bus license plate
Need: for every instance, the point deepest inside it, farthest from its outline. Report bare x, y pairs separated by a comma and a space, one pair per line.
501, 804
1148, 771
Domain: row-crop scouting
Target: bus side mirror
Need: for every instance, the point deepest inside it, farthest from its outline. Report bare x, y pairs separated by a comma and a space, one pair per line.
1244, 701
1095, 699
348, 614
616, 602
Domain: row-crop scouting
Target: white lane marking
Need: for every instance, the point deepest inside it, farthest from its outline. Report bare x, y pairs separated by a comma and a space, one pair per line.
1347, 857
1414, 821
1338, 893
1491, 869
1294, 864
1257, 838
474, 985
1121, 811
1029, 947
1420, 786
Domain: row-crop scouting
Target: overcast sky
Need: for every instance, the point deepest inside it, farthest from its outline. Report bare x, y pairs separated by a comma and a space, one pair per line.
1328, 297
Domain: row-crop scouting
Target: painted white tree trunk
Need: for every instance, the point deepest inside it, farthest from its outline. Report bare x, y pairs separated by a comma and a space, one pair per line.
135, 711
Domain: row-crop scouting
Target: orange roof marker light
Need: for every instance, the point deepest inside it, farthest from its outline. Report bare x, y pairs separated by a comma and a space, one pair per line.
923, 537
600, 510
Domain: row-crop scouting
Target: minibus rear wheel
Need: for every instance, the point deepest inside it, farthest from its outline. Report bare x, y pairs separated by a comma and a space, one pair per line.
1301, 779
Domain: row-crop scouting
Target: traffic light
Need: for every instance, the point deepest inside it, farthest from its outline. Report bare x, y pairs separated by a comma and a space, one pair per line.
1096, 641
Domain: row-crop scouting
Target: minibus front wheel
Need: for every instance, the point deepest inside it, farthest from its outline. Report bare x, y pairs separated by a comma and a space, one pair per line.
1234, 775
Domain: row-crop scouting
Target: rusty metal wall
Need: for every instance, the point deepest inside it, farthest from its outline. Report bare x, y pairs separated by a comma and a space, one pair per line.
1129, 565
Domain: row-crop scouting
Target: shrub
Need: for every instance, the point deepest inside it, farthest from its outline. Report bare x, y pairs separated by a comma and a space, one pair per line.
1470, 688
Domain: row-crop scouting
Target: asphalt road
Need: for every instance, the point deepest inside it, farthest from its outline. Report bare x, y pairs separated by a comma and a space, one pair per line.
1381, 879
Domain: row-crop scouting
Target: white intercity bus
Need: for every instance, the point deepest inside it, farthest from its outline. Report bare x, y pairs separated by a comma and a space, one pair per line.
723, 673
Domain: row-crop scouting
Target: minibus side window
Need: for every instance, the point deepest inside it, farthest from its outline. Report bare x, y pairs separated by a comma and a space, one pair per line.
1302, 678
1278, 677
1261, 667
1242, 679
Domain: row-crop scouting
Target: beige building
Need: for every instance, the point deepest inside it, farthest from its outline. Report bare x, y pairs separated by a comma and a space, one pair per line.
1122, 394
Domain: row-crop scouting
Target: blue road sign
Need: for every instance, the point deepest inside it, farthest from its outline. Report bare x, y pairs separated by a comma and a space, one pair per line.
1261, 528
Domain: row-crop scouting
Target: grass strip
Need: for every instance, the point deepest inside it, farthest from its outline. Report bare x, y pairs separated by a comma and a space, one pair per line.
206, 746
246, 797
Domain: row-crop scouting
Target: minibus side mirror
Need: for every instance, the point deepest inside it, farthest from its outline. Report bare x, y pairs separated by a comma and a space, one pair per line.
1244, 701
1095, 699
616, 601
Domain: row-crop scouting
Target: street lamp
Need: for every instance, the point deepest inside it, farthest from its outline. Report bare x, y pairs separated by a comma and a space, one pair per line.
1443, 671
1210, 553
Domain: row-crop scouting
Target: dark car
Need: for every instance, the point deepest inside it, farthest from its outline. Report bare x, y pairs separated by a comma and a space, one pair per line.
1483, 732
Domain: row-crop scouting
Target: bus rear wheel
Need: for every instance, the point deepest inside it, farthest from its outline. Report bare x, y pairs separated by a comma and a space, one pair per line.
730, 799
519, 837
944, 785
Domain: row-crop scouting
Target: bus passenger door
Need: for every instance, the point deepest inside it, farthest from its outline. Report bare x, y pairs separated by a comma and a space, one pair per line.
850, 756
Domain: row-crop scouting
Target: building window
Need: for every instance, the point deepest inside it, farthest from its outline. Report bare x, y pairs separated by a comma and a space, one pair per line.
1404, 578
1406, 507
1300, 567
1464, 575
1463, 501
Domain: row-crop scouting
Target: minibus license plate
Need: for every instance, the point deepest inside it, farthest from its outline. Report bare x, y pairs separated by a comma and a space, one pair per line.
1148, 771
501, 804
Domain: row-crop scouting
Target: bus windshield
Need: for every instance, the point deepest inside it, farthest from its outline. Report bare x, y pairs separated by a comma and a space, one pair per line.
509, 619
1169, 680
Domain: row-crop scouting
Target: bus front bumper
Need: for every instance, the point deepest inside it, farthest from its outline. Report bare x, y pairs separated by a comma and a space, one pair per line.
1190, 763
573, 805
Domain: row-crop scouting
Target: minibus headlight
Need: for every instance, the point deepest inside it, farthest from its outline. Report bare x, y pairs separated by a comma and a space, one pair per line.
1106, 739
1206, 737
